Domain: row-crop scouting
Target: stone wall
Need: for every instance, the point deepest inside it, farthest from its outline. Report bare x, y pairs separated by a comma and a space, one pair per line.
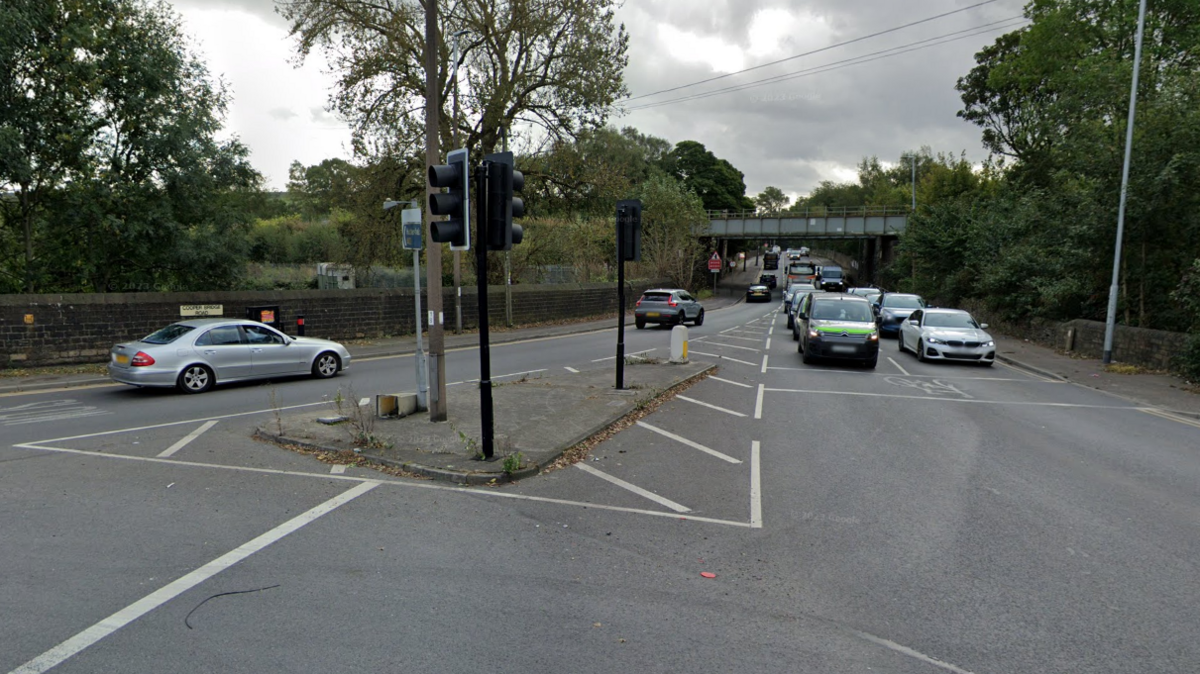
81, 328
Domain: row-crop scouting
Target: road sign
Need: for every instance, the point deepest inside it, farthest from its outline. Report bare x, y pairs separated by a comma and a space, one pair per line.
410, 222
714, 262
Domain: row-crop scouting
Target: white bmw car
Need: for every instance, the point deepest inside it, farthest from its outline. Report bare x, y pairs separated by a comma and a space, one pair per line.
947, 334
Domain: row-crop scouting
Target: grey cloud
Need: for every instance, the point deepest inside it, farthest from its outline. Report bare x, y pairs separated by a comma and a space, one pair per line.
281, 113
264, 9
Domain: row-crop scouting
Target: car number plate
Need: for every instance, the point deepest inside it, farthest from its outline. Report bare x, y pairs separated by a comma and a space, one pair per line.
652, 314
123, 359
842, 349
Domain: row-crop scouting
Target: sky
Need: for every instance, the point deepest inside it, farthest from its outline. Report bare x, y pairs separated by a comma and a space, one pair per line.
790, 133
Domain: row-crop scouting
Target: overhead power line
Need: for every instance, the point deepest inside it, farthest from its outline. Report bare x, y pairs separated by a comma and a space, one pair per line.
814, 51
1004, 24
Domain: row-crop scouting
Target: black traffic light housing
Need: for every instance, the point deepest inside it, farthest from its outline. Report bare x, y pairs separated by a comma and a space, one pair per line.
455, 202
502, 204
629, 230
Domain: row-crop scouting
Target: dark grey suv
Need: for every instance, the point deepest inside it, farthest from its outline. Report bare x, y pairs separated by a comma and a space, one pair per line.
671, 306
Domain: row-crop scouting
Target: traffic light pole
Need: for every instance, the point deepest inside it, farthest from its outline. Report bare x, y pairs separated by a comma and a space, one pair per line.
621, 215
486, 419
433, 105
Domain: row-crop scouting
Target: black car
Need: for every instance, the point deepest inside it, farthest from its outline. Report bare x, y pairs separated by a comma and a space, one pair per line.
837, 326
830, 278
758, 293
768, 280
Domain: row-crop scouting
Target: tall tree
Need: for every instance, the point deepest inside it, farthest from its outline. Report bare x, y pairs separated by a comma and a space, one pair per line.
718, 184
555, 65
771, 201
673, 221
318, 189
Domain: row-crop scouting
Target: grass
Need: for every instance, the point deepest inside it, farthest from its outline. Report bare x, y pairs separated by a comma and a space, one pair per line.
86, 368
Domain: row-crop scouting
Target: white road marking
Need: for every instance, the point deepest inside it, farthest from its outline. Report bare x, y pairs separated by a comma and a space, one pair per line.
745, 339
730, 381
734, 346
764, 365
364, 402
338, 469
499, 376
728, 330
758, 402
864, 373
634, 488
768, 347
719, 409
902, 370
772, 330
570, 369
613, 357
183, 442
392, 483
141, 607
953, 400
905, 650
930, 387
717, 355
689, 443
47, 410
1167, 415
755, 486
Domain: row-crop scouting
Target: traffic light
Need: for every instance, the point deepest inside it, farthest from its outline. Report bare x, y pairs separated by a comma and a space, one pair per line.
629, 230
456, 202
503, 206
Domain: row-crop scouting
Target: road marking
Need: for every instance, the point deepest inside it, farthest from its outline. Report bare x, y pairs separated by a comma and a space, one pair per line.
141, 607
953, 400
570, 369
364, 402
728, 330
758, 402
338, 469
613, 357
745, 339
187, 439
498, 376
931, 387
764, 365
902, 370
730, 381
734, 346
863, 373
689, 443
768, 347
905, 650
1027, 372
719, 409
47, 410
392, 483
1167, 415
634, 488
755, 486
772, 330
717, 355
18, 391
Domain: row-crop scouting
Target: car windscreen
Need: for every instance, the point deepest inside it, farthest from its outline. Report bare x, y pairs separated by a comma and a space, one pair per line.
804, 269
831, 273
167, 334
656, 297
949, 321
901, 302
842, 311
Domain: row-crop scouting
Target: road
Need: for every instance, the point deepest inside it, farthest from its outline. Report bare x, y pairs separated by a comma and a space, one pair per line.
918, 518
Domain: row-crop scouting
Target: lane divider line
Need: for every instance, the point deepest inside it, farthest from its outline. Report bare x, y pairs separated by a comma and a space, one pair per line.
708, 405
634, 488
141, 607
764, 365
183, 442
571, 369
902, 370
689, 443
755, 486
717, 355
768, 344
729, 381
758, 402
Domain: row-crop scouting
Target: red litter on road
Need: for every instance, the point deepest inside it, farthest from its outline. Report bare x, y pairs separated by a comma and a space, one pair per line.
708, 574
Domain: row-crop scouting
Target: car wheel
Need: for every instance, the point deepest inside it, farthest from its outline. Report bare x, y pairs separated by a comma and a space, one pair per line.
791, 321
699, 319
195, 379
639, 323
804, 357
900, 341
921, 351
872, 363
326, 365
680, 318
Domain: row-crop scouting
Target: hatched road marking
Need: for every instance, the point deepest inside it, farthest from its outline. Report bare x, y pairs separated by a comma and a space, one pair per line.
689, 443
187, 439
719, 409
717, 355
634, 488
893, 362
730, 381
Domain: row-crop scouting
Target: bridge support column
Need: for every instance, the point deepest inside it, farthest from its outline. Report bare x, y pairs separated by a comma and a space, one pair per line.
889, 249
870, 269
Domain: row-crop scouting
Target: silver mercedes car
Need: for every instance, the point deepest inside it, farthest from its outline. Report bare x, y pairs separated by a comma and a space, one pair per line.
947, 334
195, 355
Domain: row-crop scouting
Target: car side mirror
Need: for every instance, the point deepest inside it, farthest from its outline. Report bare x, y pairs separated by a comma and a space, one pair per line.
983, 326
801, 315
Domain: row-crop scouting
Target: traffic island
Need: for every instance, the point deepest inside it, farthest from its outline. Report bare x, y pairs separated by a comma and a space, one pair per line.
538, 418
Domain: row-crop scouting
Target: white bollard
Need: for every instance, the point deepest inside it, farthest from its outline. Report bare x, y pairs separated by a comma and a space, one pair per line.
679, 351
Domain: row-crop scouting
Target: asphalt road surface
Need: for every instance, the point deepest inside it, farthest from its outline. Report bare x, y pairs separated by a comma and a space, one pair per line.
918, 518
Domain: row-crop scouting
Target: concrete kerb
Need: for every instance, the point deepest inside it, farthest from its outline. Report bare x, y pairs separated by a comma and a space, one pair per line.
489, 477
1029, 368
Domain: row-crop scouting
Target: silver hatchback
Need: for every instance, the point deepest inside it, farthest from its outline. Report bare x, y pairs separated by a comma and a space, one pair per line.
195, 355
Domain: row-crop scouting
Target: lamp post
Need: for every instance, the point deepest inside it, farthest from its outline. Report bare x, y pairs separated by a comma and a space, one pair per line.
1111, 320
454, 128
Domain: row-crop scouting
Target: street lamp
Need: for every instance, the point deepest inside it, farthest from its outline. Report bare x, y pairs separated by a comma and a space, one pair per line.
454, 127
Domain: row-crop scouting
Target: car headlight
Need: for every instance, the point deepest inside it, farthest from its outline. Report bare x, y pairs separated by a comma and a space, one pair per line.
989, 343
934, 340
813, 334
874, 336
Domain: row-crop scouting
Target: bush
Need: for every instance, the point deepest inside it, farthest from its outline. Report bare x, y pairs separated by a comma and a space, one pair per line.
1188, 362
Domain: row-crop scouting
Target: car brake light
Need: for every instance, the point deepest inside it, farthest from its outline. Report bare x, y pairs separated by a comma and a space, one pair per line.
671, 301
141, 359
639, 302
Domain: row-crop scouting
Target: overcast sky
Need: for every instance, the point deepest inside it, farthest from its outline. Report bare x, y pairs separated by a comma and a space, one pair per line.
791, 133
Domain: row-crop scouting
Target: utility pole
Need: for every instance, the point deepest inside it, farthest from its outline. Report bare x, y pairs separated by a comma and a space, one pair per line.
457, 257
437, 335
1110, 321
914, 182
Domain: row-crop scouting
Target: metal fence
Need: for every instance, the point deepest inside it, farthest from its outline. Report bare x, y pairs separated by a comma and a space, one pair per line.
813, 212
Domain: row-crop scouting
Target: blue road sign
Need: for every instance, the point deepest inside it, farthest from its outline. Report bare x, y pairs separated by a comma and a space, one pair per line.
410, 222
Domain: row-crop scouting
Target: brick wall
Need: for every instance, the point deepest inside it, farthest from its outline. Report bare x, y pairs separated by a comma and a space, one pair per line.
81, 328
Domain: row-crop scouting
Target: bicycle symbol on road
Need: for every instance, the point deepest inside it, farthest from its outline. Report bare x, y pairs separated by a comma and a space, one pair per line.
931, 387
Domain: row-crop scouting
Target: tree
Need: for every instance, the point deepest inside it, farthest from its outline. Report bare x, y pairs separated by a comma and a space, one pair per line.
771, 201
673, 220
553, 65
128, 188
718, 184
318, 189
